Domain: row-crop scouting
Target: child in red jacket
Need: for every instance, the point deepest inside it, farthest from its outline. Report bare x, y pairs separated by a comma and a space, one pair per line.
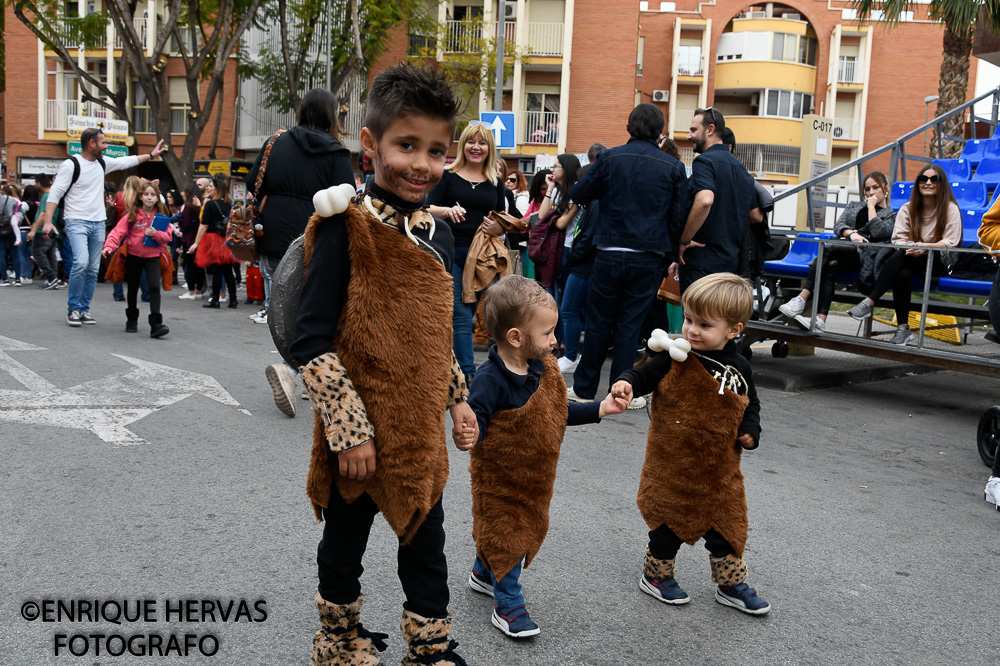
132, 228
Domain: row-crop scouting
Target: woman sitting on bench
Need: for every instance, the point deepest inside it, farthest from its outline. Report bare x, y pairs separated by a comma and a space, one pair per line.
931, 218
861, 222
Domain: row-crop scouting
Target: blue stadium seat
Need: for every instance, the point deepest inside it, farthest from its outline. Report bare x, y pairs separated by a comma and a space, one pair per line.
800, 255
977, 288
988, 172
956, 169
972, 218
977, 149
970, 194
900, 193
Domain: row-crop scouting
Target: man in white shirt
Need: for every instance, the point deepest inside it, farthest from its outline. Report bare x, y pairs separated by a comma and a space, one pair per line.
83, 210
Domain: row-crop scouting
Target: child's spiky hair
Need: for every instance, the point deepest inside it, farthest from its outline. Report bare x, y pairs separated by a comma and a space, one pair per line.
407, 90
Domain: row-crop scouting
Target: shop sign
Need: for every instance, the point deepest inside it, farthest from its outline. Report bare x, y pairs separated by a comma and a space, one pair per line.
114, 130
73, 148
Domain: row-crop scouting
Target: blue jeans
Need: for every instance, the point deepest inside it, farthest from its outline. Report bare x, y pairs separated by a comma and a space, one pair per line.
463, 316
86, 238
65, 253
622, 286
571, 314
24, 256
506, 592
15, 257
267, 268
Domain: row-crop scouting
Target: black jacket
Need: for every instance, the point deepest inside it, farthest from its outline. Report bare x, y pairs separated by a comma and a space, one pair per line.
302, 162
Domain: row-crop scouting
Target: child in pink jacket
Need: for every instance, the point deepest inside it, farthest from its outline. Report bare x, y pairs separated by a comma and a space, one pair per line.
135, 225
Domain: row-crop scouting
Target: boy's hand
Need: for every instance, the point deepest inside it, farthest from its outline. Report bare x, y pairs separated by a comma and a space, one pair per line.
466, 430
622, 389
613, 405
359, 462
746, 440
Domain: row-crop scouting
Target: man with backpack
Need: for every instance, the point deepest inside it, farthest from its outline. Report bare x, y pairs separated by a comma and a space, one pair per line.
79, 185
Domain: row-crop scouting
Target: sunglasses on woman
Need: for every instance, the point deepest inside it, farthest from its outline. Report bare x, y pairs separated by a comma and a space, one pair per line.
512, 180
933, 180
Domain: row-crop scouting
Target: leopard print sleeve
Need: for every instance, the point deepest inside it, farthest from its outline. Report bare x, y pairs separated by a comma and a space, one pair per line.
457, 391
338, 404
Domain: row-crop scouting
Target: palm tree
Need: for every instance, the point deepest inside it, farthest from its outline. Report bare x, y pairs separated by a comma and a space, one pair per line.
960, 18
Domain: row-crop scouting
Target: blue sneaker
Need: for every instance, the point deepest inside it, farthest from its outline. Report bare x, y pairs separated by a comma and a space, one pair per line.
480, 582
516, 622
664, 589
742, 597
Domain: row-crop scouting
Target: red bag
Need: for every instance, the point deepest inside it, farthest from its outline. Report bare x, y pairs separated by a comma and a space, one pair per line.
255, 284
545, 246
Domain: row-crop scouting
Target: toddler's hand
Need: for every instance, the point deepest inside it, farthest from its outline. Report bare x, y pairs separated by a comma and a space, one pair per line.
466, 430
613, 405
746, 440
622, 389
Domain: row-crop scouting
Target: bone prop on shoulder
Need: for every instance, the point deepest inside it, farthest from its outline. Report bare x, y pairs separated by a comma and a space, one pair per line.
334, 200
678, 348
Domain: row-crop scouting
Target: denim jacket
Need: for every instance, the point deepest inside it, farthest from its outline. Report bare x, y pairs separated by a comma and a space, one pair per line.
643, 194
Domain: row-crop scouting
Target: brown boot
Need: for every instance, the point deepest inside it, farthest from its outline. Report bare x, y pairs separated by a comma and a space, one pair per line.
342, 640
428, 641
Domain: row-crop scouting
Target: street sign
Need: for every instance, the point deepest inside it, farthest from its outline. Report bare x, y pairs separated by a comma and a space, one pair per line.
503, 127
114, 130
73, 148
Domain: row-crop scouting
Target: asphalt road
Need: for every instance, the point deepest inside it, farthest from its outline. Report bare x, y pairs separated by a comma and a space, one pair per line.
123, 480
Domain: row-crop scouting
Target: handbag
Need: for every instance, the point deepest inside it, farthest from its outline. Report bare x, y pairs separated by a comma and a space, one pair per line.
116, 265
241, 225
545, 243
166, 268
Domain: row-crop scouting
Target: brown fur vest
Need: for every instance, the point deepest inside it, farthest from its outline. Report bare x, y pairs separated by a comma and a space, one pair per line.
513, 474
394, 339
691, 480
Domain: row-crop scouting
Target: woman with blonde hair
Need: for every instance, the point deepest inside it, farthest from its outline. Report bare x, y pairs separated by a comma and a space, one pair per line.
469, 190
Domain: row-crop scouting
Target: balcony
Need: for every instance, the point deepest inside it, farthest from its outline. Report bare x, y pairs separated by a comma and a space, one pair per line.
850, 72
68, 31
58, 110
544, 39
845, 129
540, 127
539, 38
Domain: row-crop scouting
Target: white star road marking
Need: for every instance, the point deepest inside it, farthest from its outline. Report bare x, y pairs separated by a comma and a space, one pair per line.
103, 406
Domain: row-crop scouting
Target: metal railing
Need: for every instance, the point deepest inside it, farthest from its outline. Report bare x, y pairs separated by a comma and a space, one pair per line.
850, 71
57, 111
845, 128
68, 32
141, 27
761, 158
898, 155
539, 38
541, 127
544, 39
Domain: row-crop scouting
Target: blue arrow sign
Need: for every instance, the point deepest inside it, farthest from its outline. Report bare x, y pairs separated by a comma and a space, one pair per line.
503, 127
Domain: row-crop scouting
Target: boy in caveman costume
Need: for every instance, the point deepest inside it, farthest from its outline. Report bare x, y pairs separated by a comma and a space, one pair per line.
705, 412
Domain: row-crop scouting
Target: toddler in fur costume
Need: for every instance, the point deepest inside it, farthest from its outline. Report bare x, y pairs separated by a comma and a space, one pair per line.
519, 399
705, 412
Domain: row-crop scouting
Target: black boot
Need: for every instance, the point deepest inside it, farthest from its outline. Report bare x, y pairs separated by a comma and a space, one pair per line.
212, 303
233, 303
131, 320
157, 329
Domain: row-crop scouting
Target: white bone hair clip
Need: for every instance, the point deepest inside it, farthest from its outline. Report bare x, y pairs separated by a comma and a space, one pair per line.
678, 348
334, 200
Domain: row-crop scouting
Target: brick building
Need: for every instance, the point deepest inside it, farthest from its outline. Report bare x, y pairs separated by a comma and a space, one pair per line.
587, 63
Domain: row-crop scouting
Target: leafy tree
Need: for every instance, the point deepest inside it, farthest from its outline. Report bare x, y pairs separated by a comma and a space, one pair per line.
205, 32
960, 18
360, 32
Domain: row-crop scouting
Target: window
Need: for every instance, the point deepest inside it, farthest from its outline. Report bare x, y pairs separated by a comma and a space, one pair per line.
794, 48
779, 46
142, 117
689, 61
787, 104
180, 105
541, 118
639, 55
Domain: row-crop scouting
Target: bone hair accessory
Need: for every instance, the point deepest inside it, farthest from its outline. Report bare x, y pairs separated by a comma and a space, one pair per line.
334, 200
678, 348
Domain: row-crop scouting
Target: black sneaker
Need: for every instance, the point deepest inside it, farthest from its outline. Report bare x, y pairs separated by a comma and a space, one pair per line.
742, 597
51, 284
516, 622
664, 589
73, 318
85, 318
481, 583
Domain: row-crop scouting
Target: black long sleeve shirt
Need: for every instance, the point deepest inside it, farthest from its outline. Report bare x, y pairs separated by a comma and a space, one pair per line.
646, 378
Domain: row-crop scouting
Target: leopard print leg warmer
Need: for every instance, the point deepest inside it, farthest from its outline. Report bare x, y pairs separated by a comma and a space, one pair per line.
342, 640
657, 569
729, 570
428, 641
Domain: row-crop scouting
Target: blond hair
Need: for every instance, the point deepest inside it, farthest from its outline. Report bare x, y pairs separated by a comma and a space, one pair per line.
511, 303
490, 163
721, 295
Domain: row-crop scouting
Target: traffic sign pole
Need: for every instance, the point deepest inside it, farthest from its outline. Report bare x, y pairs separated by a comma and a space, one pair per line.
501, 25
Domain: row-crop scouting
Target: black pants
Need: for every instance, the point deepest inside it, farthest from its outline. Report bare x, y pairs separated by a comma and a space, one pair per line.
422, 568
664, 544
219, 273
835, 259
134, 266
897, 273
43, 249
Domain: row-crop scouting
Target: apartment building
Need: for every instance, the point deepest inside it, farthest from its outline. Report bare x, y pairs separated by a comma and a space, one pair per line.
587, 63
43, 93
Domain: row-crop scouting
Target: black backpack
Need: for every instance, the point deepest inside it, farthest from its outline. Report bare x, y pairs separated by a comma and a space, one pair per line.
60, 219
757, 243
